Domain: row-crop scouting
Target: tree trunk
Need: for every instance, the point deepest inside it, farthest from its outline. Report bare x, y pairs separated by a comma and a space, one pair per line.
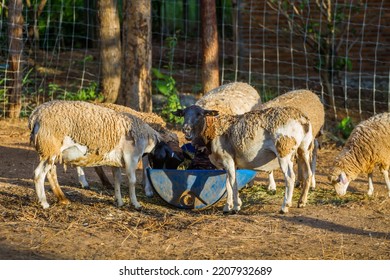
110, 50
210, 70
15, 42
136, 88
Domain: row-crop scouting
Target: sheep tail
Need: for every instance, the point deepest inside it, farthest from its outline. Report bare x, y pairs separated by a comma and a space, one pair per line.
33, 135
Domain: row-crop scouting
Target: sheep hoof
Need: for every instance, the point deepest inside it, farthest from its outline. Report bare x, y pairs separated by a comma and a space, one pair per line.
149, 194
227, 209
271, 192
137, 206
45, 205
231, 212
119, 203
284, 210
301, 204
64, 201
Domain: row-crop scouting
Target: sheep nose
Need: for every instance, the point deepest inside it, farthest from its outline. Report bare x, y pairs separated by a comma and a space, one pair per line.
186, 128
187, 131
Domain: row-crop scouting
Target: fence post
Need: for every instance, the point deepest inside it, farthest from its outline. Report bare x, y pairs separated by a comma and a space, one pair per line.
210, 68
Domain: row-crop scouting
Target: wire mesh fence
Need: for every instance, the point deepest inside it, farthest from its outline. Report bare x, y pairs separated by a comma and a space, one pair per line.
339, 49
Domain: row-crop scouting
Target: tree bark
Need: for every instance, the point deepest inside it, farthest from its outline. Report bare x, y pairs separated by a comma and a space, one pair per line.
110, 50
210, 69
15, 55
136, 88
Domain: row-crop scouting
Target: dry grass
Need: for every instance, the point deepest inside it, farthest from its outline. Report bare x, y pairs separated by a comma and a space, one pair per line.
91, 227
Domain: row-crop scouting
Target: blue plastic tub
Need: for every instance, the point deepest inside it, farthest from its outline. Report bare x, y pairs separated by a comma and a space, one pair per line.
194, 189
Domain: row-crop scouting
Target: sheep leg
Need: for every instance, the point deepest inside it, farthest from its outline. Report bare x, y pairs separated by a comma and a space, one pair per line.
103, 177
53, 181
233, 202
81, 176
304, 162
116, 172
313, 163
39, 181
145, 178
385, 173
298, 182
271, 185
370, 185
286, 165
130, 168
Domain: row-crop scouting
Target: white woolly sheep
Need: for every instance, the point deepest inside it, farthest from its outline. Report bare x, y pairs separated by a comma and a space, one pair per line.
83, 134
310, 104
157, 123
230, 99
257, 140
367, 146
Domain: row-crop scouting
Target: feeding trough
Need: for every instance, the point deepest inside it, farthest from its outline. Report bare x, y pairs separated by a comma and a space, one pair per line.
194, 189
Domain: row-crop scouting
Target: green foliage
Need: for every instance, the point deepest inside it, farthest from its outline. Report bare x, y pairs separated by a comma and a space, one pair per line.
166, 85
3, 89
345, 127
83, 94
267, 95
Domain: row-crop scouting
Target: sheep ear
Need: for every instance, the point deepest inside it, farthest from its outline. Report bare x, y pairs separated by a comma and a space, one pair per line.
178, 113
343, 178
211, 113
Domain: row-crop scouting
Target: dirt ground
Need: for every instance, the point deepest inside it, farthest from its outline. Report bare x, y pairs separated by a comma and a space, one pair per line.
91, 227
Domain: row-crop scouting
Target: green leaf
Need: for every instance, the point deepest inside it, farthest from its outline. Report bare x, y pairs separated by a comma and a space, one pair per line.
157, 73
163, 87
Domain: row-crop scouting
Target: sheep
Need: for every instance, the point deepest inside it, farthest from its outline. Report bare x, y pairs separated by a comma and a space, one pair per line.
258, 140
367, 146
310, 104
229, 99
164, 156
83, 134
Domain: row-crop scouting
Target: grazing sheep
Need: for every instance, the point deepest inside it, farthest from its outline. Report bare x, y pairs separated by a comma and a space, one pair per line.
258, 140
310, 104
367, 146
165, 156
230, 99
83, 134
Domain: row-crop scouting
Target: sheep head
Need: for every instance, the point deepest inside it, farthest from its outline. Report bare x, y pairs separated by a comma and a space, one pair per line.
194, 120
340, 181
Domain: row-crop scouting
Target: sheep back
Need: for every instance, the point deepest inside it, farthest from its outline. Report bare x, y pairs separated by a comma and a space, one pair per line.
249, 123
98, 128
152, 119
233, 99
304, 100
